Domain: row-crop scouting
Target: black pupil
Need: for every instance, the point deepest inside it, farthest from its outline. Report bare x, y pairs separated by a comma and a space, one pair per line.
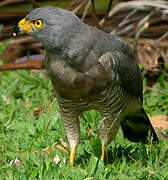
37, 23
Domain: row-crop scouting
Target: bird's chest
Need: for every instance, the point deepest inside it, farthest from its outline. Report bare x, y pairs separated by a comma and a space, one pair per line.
62, 76
69, 80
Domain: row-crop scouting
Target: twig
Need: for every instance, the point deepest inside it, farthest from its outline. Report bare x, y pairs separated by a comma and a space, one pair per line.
108, 10
135, 161
79, 6
142, 26
123, 31
86, 10
36, 4
144, 20
21, 40
30, 58
125, 20
94, 15
34, 64
138, 4
5, 2
71, 4
138, 33
132, 158
164, 36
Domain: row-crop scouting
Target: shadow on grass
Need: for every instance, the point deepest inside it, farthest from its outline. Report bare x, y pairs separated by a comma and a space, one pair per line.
131, 153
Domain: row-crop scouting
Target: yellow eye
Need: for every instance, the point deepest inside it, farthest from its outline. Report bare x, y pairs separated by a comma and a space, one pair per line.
38, 23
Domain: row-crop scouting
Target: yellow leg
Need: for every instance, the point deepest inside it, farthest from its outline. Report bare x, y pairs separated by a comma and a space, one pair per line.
72, 155
103, 153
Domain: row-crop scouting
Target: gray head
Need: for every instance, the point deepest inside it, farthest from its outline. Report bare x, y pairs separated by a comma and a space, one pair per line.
52, 26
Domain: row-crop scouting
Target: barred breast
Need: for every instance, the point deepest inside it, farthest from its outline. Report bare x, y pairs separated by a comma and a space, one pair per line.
111, 103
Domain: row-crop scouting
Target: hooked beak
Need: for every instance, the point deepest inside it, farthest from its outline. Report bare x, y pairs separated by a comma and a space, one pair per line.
23, 27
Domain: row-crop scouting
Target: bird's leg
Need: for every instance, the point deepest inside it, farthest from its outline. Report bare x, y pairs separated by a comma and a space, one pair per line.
72, 155
103, 153
108, 129
71, 125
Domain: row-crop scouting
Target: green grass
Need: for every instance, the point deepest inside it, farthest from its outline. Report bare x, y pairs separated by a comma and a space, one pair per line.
24, 137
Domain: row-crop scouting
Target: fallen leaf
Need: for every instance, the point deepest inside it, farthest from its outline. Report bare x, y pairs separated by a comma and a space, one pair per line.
61, 148
17, 162
56, 159
160, 124
63, 143
91, 132
159, 121
46, 150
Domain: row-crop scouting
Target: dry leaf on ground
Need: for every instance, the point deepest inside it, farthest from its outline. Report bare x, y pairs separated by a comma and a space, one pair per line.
160, 124
160, 121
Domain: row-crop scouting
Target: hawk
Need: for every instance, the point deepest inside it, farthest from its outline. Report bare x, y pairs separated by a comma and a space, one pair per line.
90, 69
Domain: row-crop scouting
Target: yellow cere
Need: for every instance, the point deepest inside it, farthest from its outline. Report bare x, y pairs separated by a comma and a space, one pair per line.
25, 25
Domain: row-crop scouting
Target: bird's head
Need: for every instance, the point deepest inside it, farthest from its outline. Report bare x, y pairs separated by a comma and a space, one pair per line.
52, 26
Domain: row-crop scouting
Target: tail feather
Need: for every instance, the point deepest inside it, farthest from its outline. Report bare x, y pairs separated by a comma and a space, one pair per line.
138, 128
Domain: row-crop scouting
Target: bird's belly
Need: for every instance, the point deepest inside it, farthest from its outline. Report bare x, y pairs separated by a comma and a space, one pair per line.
112, 100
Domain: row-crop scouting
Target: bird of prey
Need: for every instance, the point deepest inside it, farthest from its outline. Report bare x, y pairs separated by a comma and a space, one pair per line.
90, 69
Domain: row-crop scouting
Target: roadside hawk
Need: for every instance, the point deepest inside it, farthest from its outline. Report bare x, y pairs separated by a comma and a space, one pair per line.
90, 69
